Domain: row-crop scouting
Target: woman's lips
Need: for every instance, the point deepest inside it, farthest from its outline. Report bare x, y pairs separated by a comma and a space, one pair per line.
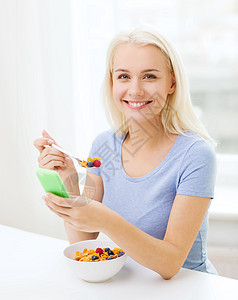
137, 107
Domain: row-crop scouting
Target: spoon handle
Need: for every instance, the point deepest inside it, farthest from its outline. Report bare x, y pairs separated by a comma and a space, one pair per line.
69, 154
65, 152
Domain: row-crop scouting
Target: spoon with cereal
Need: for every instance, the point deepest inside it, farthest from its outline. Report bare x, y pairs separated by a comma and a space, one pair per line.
89, 163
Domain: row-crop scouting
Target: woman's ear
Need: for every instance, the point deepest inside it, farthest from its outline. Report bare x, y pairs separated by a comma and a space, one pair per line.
173, 85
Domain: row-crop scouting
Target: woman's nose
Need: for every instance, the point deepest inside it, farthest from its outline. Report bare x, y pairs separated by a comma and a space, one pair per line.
136, 89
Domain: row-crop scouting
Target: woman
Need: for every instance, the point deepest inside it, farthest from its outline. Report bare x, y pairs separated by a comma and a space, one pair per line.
152, 194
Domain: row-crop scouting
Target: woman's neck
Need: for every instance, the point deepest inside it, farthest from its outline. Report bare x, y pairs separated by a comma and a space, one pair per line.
147, 135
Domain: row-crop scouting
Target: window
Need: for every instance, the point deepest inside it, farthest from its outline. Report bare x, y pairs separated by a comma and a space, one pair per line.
205, 35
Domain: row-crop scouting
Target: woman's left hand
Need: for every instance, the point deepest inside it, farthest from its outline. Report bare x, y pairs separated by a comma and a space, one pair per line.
80, 212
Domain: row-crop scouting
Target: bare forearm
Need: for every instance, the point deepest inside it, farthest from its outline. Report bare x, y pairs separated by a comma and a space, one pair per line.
155, 254
75, 236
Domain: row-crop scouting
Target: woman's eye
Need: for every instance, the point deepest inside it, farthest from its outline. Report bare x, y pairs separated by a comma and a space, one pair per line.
121, 76
150, 76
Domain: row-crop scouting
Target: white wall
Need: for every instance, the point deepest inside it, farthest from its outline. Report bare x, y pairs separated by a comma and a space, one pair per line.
27, 106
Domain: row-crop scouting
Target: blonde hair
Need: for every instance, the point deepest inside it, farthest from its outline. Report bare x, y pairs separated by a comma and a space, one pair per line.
178, 114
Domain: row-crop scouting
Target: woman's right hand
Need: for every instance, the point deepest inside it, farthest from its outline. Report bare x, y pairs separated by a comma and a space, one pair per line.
53, 159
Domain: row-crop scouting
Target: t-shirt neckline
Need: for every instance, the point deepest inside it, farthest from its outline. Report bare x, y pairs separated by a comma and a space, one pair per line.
155, 170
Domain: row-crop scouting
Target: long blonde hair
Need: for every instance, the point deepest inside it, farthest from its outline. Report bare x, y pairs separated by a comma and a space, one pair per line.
178, 114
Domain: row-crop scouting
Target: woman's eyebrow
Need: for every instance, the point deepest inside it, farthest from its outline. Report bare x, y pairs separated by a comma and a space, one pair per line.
147, 70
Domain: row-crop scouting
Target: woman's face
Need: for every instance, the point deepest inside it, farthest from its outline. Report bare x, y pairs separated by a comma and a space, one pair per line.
141, 81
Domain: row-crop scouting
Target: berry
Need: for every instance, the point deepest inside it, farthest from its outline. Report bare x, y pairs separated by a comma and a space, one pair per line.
94, 257
99, 251
97, 163
110, 252
89, 164
106, 249
96, 158
121, 253
110, 257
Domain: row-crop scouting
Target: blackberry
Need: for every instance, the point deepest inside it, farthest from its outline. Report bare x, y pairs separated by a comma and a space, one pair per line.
110, 252
110, 257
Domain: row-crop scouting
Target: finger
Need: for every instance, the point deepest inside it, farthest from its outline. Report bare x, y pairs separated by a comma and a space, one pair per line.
78, 201
57, 200
52, 164
57, 208
50, 151
61, 215
45, 134
46, 159
66, 218
40, 143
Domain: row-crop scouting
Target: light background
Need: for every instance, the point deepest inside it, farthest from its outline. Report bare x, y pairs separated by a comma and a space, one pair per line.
52, 62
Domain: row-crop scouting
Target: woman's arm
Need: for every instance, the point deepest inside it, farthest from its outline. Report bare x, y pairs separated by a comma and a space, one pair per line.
167, 256
93, 189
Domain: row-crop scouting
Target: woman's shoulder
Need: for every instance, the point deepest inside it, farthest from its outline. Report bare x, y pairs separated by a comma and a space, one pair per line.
192, 139
196, 146
107, 137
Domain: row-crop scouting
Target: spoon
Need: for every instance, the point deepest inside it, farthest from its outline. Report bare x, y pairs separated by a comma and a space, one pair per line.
69, 154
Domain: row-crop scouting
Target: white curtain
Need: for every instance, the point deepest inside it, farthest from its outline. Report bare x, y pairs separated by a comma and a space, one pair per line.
45, 83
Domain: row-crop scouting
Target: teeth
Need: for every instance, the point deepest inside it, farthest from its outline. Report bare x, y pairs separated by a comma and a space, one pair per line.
136, 104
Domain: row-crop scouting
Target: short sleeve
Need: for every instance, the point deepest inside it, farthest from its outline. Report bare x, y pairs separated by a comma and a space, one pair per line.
198, 171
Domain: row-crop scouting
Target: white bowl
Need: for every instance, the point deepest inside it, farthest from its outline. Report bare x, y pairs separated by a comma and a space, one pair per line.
93, 271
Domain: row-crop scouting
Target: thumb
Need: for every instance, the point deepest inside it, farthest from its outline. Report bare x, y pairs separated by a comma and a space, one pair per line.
45, 134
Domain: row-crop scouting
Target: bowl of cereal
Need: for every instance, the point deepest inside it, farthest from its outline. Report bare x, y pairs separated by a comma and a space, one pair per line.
95, 260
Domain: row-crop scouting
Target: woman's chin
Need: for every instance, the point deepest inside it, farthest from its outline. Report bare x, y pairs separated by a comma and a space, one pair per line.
140, 117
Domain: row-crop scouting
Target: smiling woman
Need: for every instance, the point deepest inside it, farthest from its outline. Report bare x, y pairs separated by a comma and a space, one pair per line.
141, 88
154, 189
161, 61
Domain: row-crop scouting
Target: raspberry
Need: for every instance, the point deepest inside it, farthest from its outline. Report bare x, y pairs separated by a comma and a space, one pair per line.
96, 158
99, 251
97, 163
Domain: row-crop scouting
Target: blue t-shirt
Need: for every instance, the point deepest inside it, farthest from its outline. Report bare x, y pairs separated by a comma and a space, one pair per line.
188, 169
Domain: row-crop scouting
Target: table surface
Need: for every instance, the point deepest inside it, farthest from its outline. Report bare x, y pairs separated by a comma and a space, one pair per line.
32, 266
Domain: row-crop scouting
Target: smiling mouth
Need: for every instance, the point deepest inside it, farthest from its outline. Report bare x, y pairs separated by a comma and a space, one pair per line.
137, 103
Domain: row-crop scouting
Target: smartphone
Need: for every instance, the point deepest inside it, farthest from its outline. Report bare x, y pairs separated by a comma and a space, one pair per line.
52, 182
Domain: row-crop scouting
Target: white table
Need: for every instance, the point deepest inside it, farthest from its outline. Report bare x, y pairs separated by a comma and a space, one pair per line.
32, 267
